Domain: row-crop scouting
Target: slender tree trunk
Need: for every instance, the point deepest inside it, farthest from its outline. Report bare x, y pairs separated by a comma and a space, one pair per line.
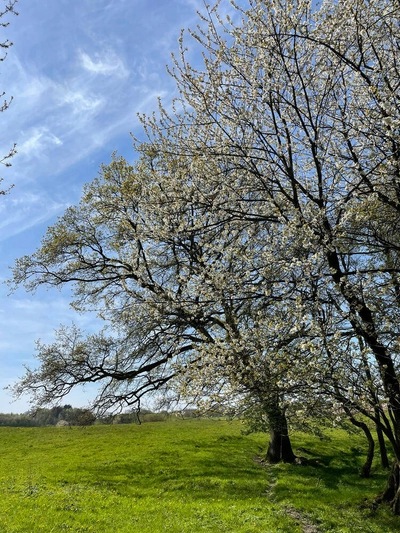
388, 431
391, 494
374, 395
382, 447
366, 469
365, 328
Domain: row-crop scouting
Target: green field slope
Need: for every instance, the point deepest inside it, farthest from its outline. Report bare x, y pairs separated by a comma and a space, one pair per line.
178, 476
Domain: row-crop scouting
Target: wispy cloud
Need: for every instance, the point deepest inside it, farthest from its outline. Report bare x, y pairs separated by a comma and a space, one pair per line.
79, 72
37, 141
80, 101
105, 63
26, 210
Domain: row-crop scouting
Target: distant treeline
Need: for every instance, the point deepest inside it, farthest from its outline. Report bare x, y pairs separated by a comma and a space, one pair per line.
59, 415
75, 416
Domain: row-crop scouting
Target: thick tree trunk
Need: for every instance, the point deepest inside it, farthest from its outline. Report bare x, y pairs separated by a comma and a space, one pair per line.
279, 448
391, 494
274, 454
287, 452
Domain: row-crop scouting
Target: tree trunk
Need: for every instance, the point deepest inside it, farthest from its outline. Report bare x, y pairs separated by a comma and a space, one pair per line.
391, 494
378, 418
287, 452
279, 448
274, 453
382, 447
366, 469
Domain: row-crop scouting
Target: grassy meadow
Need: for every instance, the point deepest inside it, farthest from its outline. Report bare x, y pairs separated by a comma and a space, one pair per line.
181, 476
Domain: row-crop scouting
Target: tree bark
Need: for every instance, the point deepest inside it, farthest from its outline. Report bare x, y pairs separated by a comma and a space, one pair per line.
378, 418
391, 494
365, 328
280, 447
274, 454
287, 454
382, 447
366, 469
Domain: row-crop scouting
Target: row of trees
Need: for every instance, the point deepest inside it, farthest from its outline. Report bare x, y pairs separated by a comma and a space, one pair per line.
73, 416
250, 257
67, 415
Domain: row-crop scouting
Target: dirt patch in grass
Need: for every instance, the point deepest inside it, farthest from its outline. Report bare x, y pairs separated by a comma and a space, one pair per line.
308, 527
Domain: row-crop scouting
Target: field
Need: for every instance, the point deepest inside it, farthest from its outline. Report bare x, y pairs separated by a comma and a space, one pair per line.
181, 477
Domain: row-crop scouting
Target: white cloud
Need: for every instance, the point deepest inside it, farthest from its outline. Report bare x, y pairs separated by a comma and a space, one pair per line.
106, 63
80, 101
24, 210
35, 88
39, 138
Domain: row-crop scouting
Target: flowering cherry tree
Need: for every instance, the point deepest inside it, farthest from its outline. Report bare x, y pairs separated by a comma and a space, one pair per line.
253, 251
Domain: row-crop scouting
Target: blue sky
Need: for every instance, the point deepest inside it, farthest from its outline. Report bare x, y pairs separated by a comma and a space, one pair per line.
79, 71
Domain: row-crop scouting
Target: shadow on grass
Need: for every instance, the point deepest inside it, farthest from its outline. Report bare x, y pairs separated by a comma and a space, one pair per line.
192, 467
222, 470
331, 471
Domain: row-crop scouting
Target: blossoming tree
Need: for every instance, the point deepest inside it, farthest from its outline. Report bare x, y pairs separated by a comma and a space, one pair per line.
254, 248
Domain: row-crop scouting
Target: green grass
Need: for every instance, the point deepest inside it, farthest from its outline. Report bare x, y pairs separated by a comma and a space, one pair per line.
182, 477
